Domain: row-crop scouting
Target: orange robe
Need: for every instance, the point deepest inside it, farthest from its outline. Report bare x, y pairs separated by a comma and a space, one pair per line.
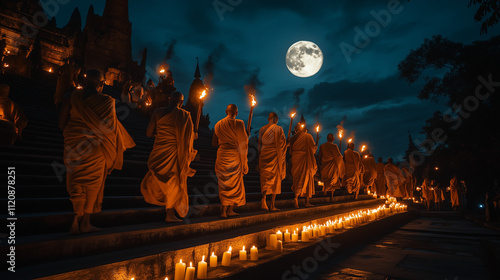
272, 158
165, 184
332, 166
12, 119
303, 164
395, 181
370, 172
353, 170
455, 192
427, 193
380, 181
231, 163
94, 142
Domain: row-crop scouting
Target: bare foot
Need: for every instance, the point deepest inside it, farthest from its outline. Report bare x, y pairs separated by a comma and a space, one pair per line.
89, 229
274, 209
223, 215
232, 213
263, 205
309, 205
172, 220
75, 226
296, 203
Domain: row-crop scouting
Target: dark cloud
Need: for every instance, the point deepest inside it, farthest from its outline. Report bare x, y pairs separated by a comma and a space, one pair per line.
209, 65
170, 49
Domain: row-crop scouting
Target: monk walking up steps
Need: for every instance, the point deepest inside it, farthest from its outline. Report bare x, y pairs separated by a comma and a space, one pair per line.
332, 165
94, 142
303, 164
272, 160
353, 170
231, 164
165, 184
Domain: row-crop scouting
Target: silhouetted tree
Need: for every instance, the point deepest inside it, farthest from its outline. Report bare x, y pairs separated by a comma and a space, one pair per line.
487, 13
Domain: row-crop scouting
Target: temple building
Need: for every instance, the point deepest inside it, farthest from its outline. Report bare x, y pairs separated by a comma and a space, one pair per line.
103, 44
193, 101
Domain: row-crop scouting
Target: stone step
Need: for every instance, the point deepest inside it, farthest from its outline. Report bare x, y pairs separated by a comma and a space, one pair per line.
52, 247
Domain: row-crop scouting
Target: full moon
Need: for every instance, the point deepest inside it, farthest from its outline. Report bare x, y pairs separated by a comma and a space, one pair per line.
304, 59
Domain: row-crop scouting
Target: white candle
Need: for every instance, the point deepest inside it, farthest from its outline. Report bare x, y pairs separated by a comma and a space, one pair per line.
279, 247
226, 258
273, 241
305, 236
190, 272
322, 230
279, 235
287, 236
180, 270
213, 260
243, 254
295, 236
202, 269
254, 254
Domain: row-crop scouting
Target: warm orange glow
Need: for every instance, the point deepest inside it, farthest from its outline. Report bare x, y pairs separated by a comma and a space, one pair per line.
85, 75
190, 264
363, 148
8, 52
254, 102
6, 65
302, 126
340, 133
436, 168
230, 249
292, 115
203, 94
366, 156
350, 140
148, 103
320, 183
50, 70
317, 128
203, 258
79, 87
162, 70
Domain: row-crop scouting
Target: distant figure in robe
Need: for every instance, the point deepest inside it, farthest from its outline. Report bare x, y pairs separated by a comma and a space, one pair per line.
166, 182
409, 182
303, 148
232, 163
331, 165
428, 193
394, 179
455, 193
19, 64
94, 142
381, 189
353, 170
12, 118
272, 160
438, 196
66, 81
370, 173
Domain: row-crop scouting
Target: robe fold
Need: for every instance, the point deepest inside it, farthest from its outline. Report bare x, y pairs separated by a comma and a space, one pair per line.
409, 181
303, 164
427, 193
12, 120
380, 181
353, 170
455, 192
370, 173
94, 142
332, 166
165, 184
394, 179
272, 158
232, 162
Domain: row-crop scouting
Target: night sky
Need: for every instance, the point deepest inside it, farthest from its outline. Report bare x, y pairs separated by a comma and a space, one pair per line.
250, 42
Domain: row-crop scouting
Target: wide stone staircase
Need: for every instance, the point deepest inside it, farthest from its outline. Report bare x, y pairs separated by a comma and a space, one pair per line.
44, 212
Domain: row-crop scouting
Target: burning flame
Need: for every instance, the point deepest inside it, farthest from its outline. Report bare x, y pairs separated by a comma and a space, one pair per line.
366, 156
254, 102
6, 65
50, 70
302, 126
79, 87
363, 148
230, 249
317, 128
148, 103
203, 94
350, 140
436, 168
292, 115
340, 133
162, 70
85, 75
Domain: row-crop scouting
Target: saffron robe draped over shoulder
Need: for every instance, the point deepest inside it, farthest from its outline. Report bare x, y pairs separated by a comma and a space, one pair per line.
272, 158
94, 142
303, 164
380, 181
394, 179
370, 171
353, 170
165, 184
332, 166
455, 192
232, 163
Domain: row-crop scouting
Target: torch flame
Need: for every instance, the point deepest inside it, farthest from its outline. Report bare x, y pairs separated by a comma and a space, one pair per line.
340, 133
203, 94
363, 148
50, 70
317, 128
254, 102
292, 115
162, 70
366, 156
302, 126
79, 87
6, 65
350, 140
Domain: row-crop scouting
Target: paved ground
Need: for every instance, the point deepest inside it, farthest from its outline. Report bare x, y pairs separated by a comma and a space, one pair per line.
441, 245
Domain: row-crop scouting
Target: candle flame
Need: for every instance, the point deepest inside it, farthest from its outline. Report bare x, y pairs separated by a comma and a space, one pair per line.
6, 65
317, 128
243, 248
278, 232
79, 87
230, 249
190, 264
254, 102
203, 94
166, 278
350, 140
366, 156
180, 261
286, 231
203, 258
436, 168
50, 70
253, 247
85, 75
292, 115
213, 254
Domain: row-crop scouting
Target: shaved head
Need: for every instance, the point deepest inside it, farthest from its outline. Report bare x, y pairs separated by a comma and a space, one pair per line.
330, 137
273, 117
176, 98
350, 145
232, 110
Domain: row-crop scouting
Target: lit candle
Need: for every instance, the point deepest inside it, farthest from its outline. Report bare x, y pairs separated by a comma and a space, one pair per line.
279, 235
254, 253
213, 260
305, 235
287, 236
290, 127
322, 230
295, 236
243, 254
190, 272
279, 247
273, 241
226, 258
180, 270
202, 268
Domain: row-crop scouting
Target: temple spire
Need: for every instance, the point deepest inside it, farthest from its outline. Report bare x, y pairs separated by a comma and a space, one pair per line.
116, 9
197, 72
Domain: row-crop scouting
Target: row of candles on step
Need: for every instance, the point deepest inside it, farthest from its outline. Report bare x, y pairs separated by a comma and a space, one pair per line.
276, 240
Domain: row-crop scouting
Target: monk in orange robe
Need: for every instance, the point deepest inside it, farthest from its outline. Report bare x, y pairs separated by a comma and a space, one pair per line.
394, 179
381, 190
12, 118
370, 172
165, 184
94, 142
304, 165
353, 170
454, 189
272, 160
331, 165
232, 163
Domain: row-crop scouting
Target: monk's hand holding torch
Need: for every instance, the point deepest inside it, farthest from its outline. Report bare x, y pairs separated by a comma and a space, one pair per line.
317, 135
249, 125
200, 106
290, 127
